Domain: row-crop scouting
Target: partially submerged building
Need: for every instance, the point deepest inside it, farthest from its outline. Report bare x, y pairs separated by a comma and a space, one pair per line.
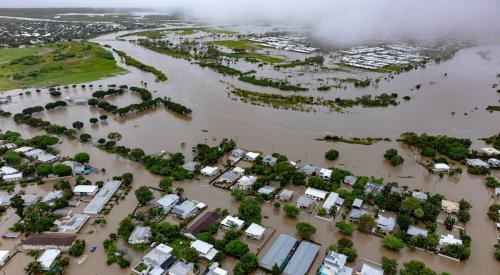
209, 171
44, 241
416, 231
255, 231
185, 209
386, 224
85, 190
102, 197
285, 195
333, 200
140, 235
48, 258
71, 224
334, 264
373, 188
168, 202
304, 201
450, 207
230, 222
278, 254
302, 258
202, 224
316, 194
204, 249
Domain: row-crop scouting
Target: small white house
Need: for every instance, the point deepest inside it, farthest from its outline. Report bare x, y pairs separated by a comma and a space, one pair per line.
448, 240
7, 170
386, 224
204, 249
441, 167
209, 171
168, 202
251, 156
491, 151
332, 200
13, 177
48, 258
286, 195
245, 182
316, 194
255, 231
140, 235
85, 190
232, 222
325, 173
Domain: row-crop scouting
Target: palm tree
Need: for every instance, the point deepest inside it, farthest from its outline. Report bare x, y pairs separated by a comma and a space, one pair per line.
33, 267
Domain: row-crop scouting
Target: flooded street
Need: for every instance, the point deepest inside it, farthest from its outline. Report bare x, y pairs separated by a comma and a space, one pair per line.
215, 116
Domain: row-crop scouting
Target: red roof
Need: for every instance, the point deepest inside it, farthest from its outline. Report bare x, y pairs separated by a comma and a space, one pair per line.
50, 239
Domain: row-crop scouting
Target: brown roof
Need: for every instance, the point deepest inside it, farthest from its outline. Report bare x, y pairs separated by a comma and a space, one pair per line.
203, 223
50, 239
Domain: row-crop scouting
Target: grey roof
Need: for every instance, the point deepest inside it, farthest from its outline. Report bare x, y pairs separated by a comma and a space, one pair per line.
350, 179
185, 208
309, 169
141, 234
302, 259
167, 201
286, 194
102, 197
357, 203
278, 252
477, 162
373, 188
266, 189
270, 160
415, 231
62, 212
181, 268
386, 223
237, 153
190, 166
230, 177
304, 201
357, 213
419, 195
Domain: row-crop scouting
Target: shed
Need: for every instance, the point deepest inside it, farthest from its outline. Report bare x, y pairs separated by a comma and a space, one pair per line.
48, 258
302, 259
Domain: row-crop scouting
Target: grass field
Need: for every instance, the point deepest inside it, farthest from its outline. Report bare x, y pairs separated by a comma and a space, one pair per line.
255, 57
219, 31
55, 64
237, 44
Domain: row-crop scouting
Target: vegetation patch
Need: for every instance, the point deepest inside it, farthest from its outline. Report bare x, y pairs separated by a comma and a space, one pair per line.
160, 76
355, 140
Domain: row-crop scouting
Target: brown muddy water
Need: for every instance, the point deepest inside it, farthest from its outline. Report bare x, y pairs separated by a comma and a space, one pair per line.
215, 116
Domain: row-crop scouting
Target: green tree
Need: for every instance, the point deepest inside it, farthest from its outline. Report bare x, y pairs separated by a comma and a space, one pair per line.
190, 255
250, 211
17, 203
126, 227
390, 153
103, 117
143, 195
33, 267
93, 120
77, 125
166, 183
12, 158
366, 223
137, 154
43, 169
61, 170
248, 263
345, 227
236, 248
416, 267
404, 221
76, 250
410, 204
43, 141
115, 136
291, 211
127, 178
82, 157
393, 243
389, 266
238, 194
306, 230
332, 154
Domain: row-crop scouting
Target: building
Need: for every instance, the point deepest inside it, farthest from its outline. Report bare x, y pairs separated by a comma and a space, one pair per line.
214, 269
237, 153
209, 171
373, 188
190, 166
386, 225
72, 224
30, 199
181, 268
316, 194
450, 207
285, 195
205, 250
279, 252
159, 258
334, 264
168, 202
266, 190
185, 210
441, 167
419, 195
23, 150
229, 177
477, 163
52, 195
140, 235
270, 160
46, 158
251, 156
245, 182
85, 190
102, 197
494, 163
332, 200
370, 270
239, 170
5, 199
351, 180
491, 151
309, 170
230, 222
48, 258
7, 170
76, 168
325, 173
32, 153
4, 257
202, 224
255, 231
356, 214
62, 212
357, 203
448, 240
304, 201
13, 177
44, 241
416, 231
302, 259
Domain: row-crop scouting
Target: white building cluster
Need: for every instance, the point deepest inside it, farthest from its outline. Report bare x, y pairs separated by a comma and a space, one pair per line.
379, 57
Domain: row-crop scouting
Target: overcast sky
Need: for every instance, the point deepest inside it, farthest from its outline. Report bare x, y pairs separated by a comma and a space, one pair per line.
332, 20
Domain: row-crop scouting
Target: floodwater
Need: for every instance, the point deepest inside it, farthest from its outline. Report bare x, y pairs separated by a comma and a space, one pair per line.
215, 116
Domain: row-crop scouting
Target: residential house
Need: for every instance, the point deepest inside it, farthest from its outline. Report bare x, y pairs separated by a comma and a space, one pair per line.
251, 156
214, 269
181, 268
245, 182
419, 195
450, 207
204, 249
491, 151
46, 158
373, 188
159, 258
13, 177
441, 167
370, 270
494, 163
52, 195
71, 224
448, 240
325, 173
168, 202
357, 203
266, 190
333, 200
85, 190
316, 194
285, 195
237, 153
230, 222
229, 177
4, 257
76, 168
309, 170
304, 201
44, 241
350, 180
30, 199
102, 197
209, 171
416, 231
140, 235
185, 209
386, 224
190, 166
334, 264
270, 160
202, 224
48, 258
356, 214
477, 163
255, 231
7, 170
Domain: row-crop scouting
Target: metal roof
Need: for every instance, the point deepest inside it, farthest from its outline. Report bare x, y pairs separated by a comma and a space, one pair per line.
302, 259
278, 253
102, 197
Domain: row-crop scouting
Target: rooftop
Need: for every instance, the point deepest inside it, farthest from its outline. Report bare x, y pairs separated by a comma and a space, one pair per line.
50, 239
203, 223
102, 197
302, 259
278, 252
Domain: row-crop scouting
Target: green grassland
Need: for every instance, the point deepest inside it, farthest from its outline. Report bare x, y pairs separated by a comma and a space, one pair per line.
219, 31
237, 44
154, 34
55, 64
255, 57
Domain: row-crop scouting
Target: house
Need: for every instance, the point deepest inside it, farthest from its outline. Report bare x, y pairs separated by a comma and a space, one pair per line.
497, 191
202, 224
23, 150
102, 197
205, 250
30, 199
7, 170
237, 153
302, 259
251, 156
71, 224
214, 269
159, 258
316, 194
448, 240
185, 210
356, 214
44, 241
279, 252
494, 163
450, 206
245, 182
76, 168
270, 160
190, 166
441, 167
85, 190
168, 202
373, 188
4, 257
386, 224
181, 268
13, 177
255, 231
419, 195
48, 258
229, 177
266, 190
5, 199
230, 222
309, 170
8, 146
351, 180
370, 270
416, 231
46, 157
325, 173
334, 264
304, 201
357, 203
491, 151
140, 235
239, 170
285, 195
333, 200
209, 171
477, 163
62, 212
52, 195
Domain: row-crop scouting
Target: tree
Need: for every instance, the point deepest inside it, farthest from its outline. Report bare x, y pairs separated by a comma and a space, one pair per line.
77, 125
463, 216
115, 136
390, 153
43, 141
248, 263
76, 250
346, 247
166, 183
236, 248
332, 154
137, 154
85, 137
393, 243
291, 211
61, 170
392, 156
410, 204
82, 157
250, 211
404, 221
17, 203
126, 227
33, 267
127, 178
416, 267
143, 195
306, 230
366, 223
397, 160
190, 255
103, 117
43, 169
238, 194
344, 227
12, 158
93, 120
389, 266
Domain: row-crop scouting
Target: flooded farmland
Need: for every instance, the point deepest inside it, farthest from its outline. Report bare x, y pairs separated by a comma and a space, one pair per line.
465, 90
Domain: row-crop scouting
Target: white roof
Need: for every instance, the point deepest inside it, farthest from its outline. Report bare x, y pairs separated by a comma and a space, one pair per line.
491, 151
313, 192
330, 201
7, 170
239, 170
252, 155
255, 230
357, 202
448, 239
158, 255
102, 197
23, 149
34, 152
168, 200
230, 221
209, 170
246, 180
325, 172
85, 189
48, 257
370, 270
4, 254
207, 250
441, 166
13, 176
45, 157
